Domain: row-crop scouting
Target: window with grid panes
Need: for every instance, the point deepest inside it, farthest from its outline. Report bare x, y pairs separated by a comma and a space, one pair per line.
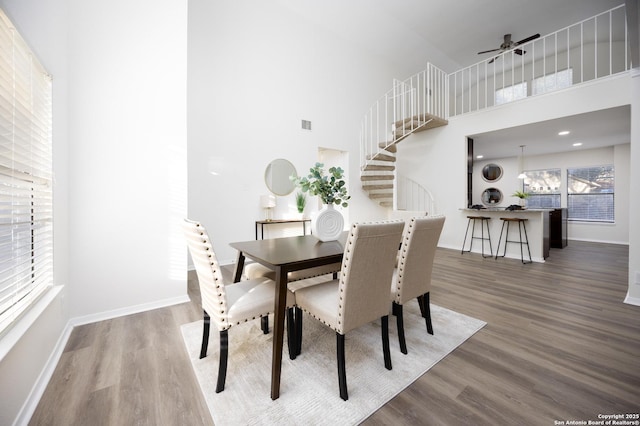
543, 187
26, 208
591, 194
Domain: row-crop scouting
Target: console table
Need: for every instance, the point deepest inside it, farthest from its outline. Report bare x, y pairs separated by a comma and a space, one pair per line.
262, 223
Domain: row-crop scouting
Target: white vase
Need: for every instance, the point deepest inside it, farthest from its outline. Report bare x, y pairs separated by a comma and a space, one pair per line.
328, 224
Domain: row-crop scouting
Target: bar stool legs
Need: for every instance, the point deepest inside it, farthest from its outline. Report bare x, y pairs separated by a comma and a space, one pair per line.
484, 221
521, 226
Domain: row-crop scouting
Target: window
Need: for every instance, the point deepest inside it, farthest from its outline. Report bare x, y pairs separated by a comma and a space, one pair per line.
543, 187
26, 208
511, 93
549, 83
590, 194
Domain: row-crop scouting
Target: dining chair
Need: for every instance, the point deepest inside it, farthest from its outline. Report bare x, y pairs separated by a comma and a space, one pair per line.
412, 276
228, 305
361, 294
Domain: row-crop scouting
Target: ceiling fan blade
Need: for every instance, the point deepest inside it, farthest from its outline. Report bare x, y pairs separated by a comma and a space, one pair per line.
520, 52
487, 51
493, 59
528, 39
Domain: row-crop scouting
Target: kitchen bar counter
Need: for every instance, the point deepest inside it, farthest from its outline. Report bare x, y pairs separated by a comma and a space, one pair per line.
537, 231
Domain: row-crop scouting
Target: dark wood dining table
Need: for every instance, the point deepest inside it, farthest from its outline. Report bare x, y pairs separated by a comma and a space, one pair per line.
284, 255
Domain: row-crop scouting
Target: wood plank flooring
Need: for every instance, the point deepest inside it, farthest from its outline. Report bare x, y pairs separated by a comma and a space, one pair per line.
559, 345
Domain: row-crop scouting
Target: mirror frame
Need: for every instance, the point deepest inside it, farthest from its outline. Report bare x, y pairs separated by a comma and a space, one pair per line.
487, 202
275, 174
489, 169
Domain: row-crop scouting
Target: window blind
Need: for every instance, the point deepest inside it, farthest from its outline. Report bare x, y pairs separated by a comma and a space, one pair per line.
543, 187
26, 201
590, 194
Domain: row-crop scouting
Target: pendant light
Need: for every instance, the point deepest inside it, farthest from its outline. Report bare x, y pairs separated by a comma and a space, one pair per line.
522, 174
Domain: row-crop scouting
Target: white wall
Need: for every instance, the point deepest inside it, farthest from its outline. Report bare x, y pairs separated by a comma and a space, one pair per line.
119, 81
618, 156
257, 69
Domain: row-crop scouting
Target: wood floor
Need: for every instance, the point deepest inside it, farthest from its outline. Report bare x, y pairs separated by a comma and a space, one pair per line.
559, 345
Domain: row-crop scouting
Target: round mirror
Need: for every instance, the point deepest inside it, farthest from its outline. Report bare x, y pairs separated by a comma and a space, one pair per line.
276, 176
491, 172
491, 196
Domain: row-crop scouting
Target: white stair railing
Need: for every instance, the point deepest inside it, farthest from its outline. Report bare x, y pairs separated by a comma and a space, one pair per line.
588, 50
413, 196
408, 102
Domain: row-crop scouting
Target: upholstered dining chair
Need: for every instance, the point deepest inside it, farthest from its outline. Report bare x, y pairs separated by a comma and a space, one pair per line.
412, 276
228, 305
361, 294
296, 279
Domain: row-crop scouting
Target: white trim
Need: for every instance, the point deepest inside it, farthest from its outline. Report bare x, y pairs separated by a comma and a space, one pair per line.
23, 324
632, 300
591, 240
32, 401
129, 310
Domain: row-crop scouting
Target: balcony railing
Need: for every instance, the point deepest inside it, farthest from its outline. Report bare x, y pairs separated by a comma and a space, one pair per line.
413, 99
588, 50
413, 196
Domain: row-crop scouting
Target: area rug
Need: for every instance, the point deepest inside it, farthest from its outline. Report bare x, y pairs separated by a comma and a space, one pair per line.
309, 385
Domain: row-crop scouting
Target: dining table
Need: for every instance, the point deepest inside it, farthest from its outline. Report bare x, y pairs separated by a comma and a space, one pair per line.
284, 255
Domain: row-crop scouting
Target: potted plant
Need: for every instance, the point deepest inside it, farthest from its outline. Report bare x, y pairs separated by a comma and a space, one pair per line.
331, 188
301, 201
328, 224
522, 195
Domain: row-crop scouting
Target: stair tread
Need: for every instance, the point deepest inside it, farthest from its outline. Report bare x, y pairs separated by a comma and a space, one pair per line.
376, 177
381, 157
381, 195
378, 168
376, 187
388, 146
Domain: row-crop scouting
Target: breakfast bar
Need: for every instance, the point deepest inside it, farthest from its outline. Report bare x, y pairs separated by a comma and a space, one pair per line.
537, 227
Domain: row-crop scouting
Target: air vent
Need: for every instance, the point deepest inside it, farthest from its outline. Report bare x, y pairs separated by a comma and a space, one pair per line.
306, 125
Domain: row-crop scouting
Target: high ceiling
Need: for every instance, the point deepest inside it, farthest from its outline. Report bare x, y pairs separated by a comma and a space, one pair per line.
450, 33
447, 33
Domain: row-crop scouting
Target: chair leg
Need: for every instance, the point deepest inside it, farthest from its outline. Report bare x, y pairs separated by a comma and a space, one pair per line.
205, 335
264, 324
292, 334
425, 307
397, 311
385, 342
342, 373
298, 330
222, 366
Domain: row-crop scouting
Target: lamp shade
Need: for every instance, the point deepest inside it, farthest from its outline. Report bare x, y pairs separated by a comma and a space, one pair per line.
267, 201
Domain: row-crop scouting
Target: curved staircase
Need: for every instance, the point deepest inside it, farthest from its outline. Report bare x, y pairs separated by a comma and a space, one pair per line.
413, 105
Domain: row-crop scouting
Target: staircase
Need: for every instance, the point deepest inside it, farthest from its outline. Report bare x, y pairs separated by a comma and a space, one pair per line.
413, 105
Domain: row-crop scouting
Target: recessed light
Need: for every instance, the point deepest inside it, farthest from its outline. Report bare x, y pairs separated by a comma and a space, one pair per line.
563, 133
480, 156
577, 144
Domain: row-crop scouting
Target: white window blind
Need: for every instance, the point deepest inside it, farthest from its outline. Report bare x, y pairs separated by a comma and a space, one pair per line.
26, 207
543, 187
590, 194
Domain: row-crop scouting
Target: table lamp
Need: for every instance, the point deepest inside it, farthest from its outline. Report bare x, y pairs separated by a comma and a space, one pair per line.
267, 202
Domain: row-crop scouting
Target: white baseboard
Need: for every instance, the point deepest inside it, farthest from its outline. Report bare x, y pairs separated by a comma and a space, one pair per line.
632, 300
39, 387
129, 310
41, 383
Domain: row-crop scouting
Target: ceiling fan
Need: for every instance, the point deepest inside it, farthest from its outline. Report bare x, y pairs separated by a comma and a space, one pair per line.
508, 44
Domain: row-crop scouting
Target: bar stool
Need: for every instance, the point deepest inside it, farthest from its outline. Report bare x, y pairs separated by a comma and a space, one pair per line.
521, 225
484, 221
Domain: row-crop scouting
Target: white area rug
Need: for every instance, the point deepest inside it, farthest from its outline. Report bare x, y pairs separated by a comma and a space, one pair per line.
309, 386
